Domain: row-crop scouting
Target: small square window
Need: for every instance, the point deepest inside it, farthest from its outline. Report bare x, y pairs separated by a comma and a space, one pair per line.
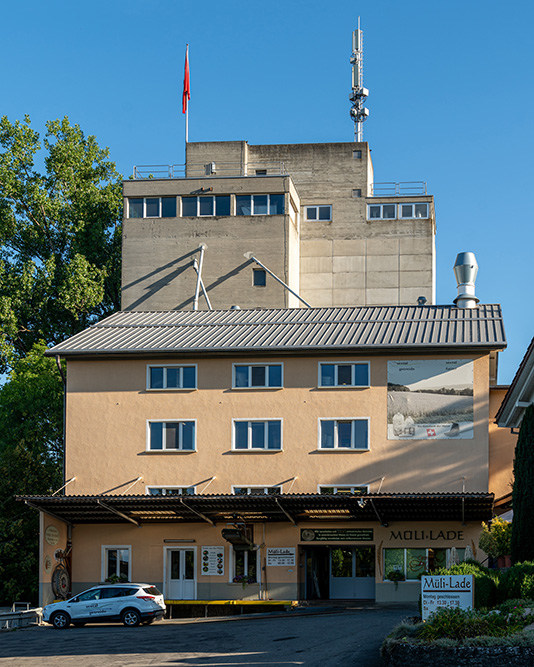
205, 205
357, 193
388, 211
189, 206
152, 207
357, 155
261, 172
259, 277
168, 207
135, 208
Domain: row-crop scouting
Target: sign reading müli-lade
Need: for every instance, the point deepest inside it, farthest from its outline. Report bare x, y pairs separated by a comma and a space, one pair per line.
452, 591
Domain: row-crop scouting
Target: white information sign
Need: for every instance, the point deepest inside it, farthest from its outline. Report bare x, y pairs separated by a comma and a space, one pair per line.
280, 556
212, 559
447, 591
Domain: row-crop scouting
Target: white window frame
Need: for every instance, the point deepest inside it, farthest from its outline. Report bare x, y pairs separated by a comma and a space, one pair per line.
160, 206
167, 487
103, 559
166, 366
316, 207
413, 205
232, 566
382, 204
256, 450
336, 447
255, 486
263, 194
363, 487
163, 450
213, 206
250, 366
344, 363
447, 556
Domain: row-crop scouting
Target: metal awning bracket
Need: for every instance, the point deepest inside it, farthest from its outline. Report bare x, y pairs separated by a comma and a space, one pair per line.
118, 513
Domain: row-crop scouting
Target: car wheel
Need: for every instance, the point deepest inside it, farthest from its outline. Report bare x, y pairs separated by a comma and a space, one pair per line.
60, 620
131, 618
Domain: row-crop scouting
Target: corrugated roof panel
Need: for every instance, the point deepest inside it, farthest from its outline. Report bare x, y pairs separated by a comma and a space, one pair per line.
290, 330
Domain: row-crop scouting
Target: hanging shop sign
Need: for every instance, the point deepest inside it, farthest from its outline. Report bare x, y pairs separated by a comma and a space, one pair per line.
52, 535
212, 561
280, 557
452, 591
430, 399
337, 535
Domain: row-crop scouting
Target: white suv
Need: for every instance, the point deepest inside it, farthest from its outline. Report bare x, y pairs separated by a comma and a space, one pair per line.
129, 603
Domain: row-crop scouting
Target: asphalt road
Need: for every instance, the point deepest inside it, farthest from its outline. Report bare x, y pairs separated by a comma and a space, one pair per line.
349, 637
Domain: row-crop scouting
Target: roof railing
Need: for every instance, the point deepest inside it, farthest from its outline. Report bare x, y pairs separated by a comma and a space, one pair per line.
402, 189
261, 168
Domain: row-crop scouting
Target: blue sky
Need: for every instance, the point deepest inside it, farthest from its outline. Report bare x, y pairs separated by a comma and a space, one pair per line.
451, 101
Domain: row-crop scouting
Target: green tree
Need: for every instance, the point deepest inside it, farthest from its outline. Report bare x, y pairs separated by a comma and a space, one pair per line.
59, 235
523, 491
31, 454
60, 213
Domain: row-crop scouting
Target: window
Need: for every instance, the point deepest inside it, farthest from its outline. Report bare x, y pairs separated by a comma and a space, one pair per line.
170, 490
205, 205
171, 436
357, 193
171, 377
259, 277
259, 204
344, 434
357, 155
344, 374
413, 211
152, 207
319, 213
245, 567
116, 560
257, 376
344, 488
258, 435
257, 490
411, 563
381, 211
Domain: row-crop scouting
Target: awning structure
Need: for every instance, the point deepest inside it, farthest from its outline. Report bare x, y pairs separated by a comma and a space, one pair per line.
384, 508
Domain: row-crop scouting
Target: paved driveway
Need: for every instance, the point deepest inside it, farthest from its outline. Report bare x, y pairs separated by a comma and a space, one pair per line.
350, 637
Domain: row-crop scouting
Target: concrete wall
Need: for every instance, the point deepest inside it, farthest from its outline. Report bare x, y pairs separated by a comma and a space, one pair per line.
108, 406
349, 260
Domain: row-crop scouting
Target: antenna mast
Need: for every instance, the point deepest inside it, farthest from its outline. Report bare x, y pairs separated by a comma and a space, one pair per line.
359, 94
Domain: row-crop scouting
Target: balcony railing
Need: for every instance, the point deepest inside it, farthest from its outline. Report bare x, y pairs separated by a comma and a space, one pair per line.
403, 189
209, 169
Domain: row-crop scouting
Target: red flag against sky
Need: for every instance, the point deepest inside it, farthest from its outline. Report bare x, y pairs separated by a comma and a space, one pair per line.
187, 91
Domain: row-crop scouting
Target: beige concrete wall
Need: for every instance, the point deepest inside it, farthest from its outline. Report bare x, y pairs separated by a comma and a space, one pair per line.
108, 407
346, 261
157, 271
502, 444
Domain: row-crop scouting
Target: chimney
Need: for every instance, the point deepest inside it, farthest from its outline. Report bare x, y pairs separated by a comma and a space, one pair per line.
465, 271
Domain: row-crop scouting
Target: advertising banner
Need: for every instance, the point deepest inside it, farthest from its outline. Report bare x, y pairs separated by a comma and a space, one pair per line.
212, 561
430, 399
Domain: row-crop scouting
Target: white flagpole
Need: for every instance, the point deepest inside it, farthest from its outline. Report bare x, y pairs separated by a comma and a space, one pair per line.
187, 101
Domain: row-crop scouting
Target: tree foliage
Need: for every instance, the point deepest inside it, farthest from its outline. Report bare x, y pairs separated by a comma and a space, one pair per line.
59, 235
523, 492
31, 454
60, 212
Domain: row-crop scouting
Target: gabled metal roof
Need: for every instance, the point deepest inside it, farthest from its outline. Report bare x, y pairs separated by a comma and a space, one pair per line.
290, 330
383, 508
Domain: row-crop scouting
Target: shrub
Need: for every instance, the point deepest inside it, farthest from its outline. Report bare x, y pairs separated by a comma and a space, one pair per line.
517, 581
459, 623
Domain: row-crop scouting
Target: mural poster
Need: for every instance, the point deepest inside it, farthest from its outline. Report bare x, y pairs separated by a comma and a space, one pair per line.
430, 399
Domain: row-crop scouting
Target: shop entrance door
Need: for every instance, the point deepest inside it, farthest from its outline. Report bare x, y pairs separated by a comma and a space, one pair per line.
181, 580
352, 573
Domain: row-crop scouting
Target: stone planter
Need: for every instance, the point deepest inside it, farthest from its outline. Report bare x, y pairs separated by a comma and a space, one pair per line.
401, 654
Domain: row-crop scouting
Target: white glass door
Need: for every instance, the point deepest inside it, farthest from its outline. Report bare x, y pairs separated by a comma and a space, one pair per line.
181, 576
352, 573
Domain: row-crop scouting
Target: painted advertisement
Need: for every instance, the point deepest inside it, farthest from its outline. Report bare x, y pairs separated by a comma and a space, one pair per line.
430, 399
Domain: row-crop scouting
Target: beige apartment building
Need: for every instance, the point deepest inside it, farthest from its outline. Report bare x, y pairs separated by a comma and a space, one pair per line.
311, 214
283, 454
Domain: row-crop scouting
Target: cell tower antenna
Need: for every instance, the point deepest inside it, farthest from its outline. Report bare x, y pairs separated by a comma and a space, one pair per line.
359, 94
